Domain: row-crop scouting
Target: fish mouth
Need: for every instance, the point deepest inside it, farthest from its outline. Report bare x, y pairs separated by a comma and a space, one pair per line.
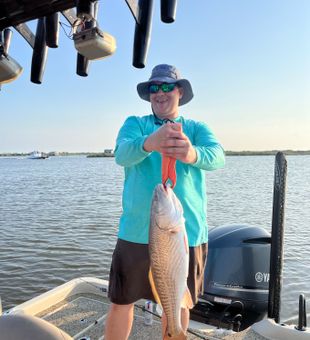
162, 192
161, 204
165, 195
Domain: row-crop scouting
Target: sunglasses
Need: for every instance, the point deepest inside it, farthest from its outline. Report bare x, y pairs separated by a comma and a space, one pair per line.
154, 88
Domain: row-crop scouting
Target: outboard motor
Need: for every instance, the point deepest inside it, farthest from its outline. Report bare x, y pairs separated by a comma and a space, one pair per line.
236, 277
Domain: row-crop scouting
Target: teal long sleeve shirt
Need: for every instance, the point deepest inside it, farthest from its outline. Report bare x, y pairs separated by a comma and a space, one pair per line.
143, 173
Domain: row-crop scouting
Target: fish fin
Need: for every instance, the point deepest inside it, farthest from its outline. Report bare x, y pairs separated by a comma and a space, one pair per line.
175, 230
186, 243
154, 291
187, 301
180, 336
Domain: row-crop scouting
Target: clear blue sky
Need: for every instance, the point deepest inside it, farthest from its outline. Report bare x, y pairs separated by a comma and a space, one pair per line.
248, 62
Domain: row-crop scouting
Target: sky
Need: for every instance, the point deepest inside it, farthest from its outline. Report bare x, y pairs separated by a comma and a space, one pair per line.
248, 63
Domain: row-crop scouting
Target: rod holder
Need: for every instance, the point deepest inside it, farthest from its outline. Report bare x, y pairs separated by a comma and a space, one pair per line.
82, 63
142, 33
85, 9
168, 9
52, 30
302, 315
7, 37
39, 54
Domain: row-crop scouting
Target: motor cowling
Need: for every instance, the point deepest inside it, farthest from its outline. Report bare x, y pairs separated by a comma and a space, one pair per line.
237, 274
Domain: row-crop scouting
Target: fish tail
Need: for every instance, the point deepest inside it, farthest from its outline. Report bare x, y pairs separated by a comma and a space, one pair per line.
187, 301
180, 336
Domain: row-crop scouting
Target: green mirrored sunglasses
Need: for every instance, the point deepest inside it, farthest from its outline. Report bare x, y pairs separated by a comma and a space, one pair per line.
154, 88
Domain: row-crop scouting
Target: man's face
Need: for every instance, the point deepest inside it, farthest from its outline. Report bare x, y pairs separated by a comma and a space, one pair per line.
166, 104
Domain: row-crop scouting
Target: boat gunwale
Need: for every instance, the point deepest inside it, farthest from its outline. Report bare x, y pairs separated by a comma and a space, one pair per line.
38, 304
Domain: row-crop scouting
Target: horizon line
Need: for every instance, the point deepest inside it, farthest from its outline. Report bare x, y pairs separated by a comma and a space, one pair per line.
272, 151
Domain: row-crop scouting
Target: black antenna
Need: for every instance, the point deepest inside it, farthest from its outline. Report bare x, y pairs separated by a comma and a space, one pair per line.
277, 233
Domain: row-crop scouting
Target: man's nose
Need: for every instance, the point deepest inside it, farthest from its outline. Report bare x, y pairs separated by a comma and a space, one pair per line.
160, 91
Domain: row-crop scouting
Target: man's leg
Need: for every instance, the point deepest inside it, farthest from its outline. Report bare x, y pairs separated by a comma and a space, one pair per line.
119, 322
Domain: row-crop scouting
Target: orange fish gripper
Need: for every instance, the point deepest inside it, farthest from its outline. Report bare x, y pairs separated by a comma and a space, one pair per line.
169, 171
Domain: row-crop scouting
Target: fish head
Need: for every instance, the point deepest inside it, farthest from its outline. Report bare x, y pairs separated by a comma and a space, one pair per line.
167, 210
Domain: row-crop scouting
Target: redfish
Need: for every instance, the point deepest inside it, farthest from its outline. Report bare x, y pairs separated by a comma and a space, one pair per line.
169, 257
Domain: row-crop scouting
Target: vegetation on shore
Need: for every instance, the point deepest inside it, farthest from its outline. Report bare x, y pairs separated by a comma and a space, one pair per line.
103, 154
267, 153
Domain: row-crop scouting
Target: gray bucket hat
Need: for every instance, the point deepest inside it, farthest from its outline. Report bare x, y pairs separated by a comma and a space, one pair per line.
166, 74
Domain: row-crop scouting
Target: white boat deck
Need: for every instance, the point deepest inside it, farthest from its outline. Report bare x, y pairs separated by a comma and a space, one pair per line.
83, 316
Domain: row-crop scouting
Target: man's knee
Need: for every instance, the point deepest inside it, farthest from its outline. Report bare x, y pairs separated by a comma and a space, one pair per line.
121, 308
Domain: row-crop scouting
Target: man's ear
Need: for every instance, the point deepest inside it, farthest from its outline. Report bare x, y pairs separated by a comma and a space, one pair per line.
181, 91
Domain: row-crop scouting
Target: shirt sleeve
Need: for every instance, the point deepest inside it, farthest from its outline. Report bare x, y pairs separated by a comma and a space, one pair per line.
210, 154
129, 143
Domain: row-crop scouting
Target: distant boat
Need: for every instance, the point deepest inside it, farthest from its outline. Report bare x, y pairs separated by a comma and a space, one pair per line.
108, 153
37, 155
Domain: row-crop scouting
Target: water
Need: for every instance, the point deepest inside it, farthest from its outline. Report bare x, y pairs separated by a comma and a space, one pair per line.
58, 219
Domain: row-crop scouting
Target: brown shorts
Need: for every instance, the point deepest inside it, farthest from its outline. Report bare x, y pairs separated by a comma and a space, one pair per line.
130, 266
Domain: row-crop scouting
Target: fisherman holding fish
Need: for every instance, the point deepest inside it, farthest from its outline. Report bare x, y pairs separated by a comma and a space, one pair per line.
162, 243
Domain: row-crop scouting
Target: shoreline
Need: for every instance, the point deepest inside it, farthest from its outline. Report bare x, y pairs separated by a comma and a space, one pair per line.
228, 153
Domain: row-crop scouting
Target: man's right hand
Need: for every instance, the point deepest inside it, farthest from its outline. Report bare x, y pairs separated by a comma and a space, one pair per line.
165, 135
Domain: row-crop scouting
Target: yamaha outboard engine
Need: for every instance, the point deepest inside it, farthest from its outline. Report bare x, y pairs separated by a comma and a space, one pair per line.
236, 277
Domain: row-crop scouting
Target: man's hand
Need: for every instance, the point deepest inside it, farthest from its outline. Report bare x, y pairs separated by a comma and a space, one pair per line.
171, 142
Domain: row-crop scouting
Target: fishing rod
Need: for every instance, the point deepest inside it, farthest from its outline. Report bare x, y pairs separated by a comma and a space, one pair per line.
189, 330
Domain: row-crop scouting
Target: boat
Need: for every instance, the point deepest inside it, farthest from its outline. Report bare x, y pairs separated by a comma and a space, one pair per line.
79, 308
37, 155
241, 296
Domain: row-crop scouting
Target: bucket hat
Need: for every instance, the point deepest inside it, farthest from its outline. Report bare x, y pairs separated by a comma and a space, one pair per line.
166, 74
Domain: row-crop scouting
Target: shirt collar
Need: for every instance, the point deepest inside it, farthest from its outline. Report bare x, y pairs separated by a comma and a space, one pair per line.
158, 121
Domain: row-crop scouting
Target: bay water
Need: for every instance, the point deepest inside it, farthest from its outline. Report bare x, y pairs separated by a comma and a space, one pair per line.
59, 219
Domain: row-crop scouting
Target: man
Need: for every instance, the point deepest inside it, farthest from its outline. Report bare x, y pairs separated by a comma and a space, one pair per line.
140, 143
